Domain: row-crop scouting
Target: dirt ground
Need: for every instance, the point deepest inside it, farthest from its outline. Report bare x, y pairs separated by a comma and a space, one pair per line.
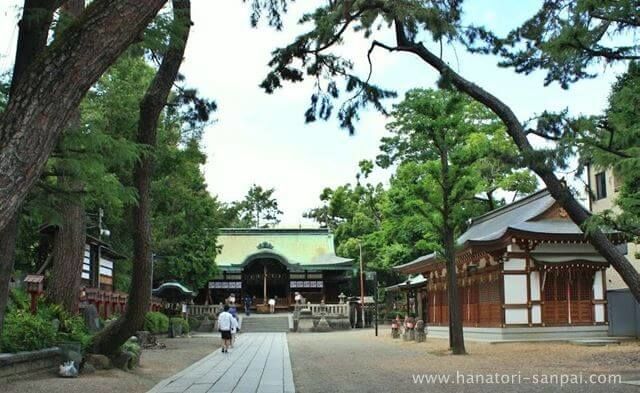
357, 361
156, 365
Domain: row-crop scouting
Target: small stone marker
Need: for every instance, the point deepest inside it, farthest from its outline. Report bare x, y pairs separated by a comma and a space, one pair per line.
323, 325
91, 318
420, 334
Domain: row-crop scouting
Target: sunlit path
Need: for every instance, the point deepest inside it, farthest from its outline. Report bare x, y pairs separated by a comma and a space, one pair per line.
259, 362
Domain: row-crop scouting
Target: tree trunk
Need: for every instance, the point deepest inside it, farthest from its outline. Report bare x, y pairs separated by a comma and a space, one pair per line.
68, 253
69, 238
54, 84
7, 255
534, 161
155, 99
456, 333
32, 38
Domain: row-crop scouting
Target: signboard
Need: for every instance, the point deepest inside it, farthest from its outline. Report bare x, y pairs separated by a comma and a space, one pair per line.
306, 284
225, 284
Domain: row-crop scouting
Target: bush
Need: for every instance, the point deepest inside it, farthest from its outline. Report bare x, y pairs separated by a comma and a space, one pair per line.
134, 350
394, 314
181, 321
26, 332
72, 328
186, 328
194, 323
18, 300
132, 347
156, 322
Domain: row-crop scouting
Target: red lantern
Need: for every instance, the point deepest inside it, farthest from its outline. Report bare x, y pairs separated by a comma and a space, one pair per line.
35, 286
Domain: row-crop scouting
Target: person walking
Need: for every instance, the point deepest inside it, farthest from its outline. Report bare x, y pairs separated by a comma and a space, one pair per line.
235, 327
272, 305
247, 304
225, 323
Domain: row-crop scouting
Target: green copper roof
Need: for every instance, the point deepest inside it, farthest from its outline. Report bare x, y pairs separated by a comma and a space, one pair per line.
298, 248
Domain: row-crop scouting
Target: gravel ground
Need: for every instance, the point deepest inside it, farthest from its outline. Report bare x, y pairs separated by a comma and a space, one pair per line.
156, 365
357, 361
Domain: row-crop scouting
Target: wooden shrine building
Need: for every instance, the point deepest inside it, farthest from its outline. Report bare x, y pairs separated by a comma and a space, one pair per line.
525, 271
276, 263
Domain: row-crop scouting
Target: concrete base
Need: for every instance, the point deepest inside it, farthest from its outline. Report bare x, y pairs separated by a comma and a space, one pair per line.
23, 364
510, 334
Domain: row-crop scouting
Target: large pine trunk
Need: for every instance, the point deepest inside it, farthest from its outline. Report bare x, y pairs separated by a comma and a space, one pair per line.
51, 88
68, 253
7, 255
46, 93
32, 39
538, 165
155, 99
456, 333
69, 238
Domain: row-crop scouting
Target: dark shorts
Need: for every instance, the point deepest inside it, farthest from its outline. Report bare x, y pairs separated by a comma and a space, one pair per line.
226, 334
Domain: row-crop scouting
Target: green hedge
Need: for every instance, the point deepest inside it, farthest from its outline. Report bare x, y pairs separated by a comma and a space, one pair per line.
156, 322
25, 332
394, 314
194, 323
181, 321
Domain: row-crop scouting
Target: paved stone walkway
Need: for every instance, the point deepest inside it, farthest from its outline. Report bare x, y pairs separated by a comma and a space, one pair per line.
259, 363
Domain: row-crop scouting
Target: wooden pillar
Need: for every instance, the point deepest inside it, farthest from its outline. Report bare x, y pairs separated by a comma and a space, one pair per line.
264, 279
568, 281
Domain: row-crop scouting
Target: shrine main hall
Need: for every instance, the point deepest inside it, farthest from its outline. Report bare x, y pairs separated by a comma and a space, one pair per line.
277, 263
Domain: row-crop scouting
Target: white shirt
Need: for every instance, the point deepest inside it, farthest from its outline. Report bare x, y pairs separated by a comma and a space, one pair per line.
224, 321
272, 302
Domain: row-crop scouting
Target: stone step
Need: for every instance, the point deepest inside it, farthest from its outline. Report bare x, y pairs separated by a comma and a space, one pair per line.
265, 324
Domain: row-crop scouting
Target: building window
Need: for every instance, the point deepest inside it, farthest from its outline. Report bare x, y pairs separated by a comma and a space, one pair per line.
86, 263
601, 186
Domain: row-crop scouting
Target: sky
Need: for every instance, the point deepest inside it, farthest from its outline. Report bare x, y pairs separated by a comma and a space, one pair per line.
263, 139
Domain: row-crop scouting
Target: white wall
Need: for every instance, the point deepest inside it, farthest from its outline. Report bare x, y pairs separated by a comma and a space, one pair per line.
515, 288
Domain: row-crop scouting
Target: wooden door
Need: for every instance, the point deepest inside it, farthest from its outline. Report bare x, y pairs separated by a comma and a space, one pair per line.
568, 295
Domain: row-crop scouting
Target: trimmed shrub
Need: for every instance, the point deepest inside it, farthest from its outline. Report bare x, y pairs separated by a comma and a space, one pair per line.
156, 322
72, 328
26, 332
181, 321
186, 328
133, 348
394, 314
194, 323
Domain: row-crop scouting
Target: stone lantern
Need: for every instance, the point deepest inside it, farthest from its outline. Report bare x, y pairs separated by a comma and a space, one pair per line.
341, 297
35, 286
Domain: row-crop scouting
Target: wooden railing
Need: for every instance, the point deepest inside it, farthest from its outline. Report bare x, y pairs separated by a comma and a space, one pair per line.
111, 302
328, 309
200, 309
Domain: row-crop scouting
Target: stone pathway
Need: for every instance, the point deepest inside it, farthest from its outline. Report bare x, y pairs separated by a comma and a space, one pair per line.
259, 363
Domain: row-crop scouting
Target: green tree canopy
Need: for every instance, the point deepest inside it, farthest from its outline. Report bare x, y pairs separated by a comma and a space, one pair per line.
567, 38
614, 142
398, 224
258, 209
